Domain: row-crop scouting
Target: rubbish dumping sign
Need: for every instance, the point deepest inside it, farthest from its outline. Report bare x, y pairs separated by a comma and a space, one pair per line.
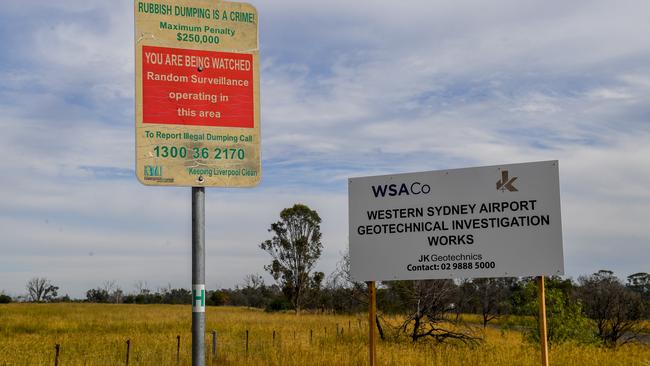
197, 93
495, 221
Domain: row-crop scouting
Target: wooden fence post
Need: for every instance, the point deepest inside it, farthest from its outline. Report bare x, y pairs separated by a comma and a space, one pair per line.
214, 344
178, 349
57, 347
247, 342
128, 350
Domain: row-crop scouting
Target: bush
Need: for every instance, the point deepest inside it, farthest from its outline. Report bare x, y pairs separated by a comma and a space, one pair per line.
97, 295
278, 304
5, 299
565, 320
218, 298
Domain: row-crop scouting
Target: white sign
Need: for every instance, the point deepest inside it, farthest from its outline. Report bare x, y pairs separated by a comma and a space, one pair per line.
496, 221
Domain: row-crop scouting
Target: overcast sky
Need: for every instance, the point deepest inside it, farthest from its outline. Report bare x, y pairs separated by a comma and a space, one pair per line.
348, 88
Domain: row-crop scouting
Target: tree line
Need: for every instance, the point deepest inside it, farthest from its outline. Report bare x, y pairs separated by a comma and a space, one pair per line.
596, 308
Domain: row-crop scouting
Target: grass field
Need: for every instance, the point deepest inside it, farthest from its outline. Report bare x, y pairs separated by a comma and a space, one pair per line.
94, 334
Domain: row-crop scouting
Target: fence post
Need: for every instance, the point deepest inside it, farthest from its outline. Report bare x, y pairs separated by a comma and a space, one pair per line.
214, 344
56, 355
128, 350
178, 349
274, 338
247, 342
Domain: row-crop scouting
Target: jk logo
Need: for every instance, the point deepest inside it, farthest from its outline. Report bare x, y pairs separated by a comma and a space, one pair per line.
506, 183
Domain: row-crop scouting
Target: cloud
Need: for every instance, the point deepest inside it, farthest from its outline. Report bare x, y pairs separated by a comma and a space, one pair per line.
348, 89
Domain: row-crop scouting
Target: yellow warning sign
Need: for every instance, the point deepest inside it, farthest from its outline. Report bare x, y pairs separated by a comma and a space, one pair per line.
197, 110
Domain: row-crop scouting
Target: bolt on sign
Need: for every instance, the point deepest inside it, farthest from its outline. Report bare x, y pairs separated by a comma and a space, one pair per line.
495, 221
197, 110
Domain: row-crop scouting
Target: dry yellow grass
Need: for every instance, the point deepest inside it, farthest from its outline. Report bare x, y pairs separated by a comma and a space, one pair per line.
92, 334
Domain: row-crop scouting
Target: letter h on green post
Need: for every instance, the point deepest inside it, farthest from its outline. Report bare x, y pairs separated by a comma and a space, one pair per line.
201, 298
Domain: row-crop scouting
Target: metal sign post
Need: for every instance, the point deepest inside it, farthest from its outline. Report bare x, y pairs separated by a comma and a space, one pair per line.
198, 276
542, 321
197, 110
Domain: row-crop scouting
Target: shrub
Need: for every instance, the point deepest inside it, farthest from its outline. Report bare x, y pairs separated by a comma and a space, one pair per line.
218, 298
278, 304
565, 320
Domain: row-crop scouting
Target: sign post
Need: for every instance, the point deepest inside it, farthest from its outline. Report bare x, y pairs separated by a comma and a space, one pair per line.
197, 110
495, 221
543, 337
198, 276
372, 315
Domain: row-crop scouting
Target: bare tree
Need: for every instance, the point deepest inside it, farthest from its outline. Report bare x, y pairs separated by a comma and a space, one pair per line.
354, 293
464, 295
491, 298
115, 293
141, 287
342, 278
254, 281
254, 290
428, 304
41, 289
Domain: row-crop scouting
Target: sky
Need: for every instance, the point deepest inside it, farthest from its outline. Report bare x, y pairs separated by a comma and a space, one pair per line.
347, 89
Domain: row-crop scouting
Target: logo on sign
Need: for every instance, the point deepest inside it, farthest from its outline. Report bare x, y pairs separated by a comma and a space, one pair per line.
393, 190
153, 171
506, 183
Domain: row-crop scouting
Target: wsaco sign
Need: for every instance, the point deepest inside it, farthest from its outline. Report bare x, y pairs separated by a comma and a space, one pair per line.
497, 221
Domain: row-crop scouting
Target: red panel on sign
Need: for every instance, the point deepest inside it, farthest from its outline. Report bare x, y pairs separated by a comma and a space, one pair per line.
199, 88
